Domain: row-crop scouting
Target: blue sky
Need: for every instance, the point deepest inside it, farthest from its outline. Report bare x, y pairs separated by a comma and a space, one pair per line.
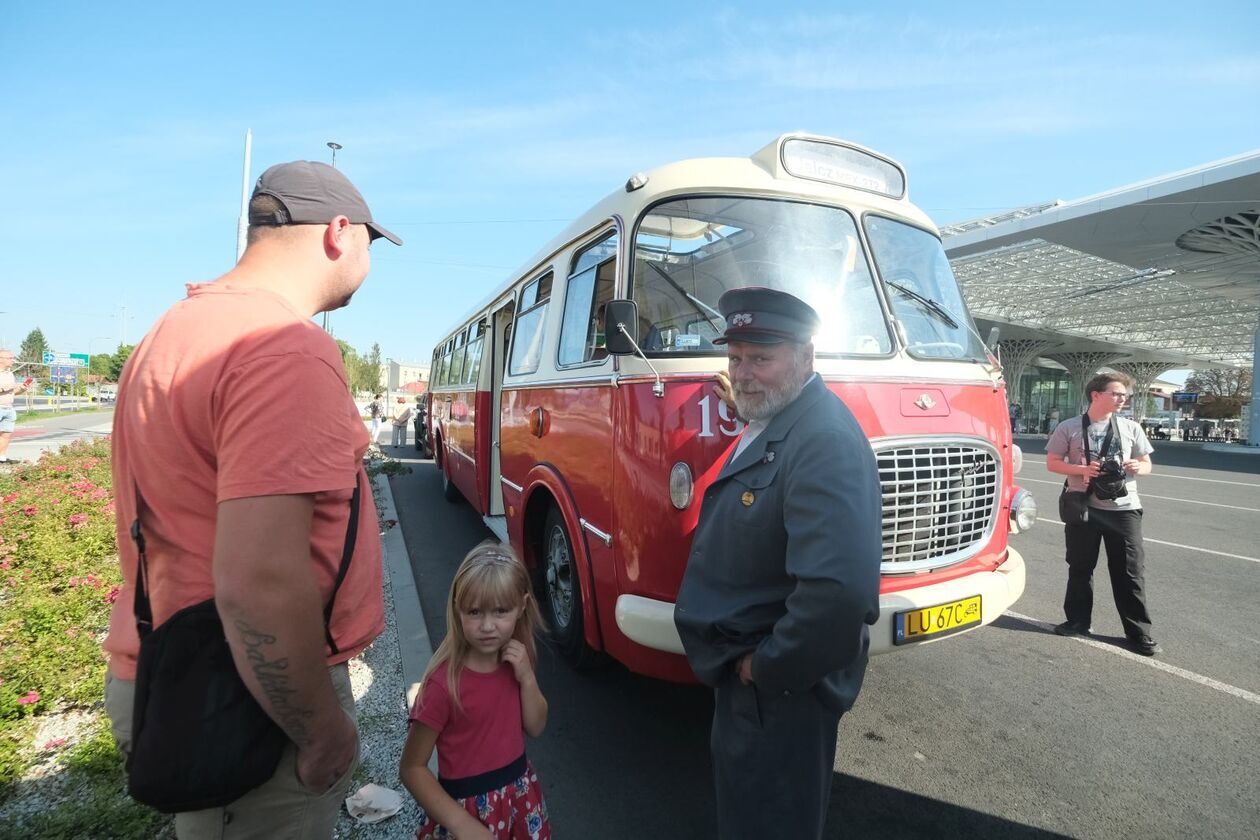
477, 131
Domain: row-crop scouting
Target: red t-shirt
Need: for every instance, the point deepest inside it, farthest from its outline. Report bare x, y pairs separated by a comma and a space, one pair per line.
487, 734
233, 394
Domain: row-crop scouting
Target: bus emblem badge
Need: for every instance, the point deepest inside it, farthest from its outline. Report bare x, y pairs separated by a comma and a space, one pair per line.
748, 498
925, 402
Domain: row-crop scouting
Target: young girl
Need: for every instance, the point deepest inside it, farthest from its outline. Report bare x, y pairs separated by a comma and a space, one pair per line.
477, 695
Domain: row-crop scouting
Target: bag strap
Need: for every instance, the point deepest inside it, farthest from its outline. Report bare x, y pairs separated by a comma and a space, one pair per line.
347, 552
141, 607
1085, 434
144, 610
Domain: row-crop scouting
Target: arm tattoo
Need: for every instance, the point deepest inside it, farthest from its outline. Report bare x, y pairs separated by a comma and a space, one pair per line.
276, 683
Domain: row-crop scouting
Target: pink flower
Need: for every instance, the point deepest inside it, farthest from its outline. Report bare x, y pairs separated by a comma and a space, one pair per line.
28, 698
72, 631
30, 510
114, 591
109, 508
78, 520
55, 743
6, 564
10, 497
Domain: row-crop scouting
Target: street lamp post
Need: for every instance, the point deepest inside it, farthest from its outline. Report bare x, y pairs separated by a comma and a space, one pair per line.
334, 146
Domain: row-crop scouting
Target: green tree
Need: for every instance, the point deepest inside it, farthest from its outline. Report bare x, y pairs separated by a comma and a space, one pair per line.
1223, 391
101, 364
361, 373
120, 357
373, 373
33, 347
31, 355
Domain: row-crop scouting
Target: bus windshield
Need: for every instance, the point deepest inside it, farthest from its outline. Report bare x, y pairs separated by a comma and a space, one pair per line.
688, 251
924, 295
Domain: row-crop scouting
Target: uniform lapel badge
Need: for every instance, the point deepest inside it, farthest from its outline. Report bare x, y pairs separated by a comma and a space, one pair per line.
748, 498
769, 459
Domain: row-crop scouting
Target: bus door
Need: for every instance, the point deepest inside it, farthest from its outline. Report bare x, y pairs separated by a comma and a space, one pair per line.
501, 331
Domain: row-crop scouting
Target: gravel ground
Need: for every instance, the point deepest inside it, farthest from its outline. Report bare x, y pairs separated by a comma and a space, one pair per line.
380, 698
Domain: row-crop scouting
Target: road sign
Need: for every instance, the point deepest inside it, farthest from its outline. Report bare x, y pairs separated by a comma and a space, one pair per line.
66, 359
64, 374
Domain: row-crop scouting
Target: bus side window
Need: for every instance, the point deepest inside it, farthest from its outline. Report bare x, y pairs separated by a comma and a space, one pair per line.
588, 290
528, 330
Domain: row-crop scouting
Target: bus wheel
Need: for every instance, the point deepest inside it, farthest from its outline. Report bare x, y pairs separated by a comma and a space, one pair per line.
561, 593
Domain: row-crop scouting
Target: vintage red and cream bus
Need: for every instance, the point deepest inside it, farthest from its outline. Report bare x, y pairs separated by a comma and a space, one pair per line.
593, 464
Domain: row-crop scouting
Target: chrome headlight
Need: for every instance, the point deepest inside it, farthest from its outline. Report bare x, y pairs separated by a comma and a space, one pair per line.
1023, 511
681, 485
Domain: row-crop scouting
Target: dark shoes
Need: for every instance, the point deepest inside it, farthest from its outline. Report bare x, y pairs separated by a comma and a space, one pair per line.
1145, 645
1072, 628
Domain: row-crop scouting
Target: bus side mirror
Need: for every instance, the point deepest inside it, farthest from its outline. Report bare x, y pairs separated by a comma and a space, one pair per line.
619, 315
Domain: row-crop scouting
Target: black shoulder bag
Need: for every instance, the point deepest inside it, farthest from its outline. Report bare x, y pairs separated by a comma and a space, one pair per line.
199, 738
1074, 504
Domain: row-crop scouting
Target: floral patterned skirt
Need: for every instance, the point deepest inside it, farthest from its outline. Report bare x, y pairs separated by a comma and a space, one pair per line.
516, 811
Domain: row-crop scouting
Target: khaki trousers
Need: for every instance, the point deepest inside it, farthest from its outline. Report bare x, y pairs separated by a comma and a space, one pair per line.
279, 808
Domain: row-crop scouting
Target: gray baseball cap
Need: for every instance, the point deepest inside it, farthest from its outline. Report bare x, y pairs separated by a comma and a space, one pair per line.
314, 193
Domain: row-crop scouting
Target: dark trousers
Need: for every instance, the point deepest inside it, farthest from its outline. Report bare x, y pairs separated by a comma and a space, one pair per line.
772, 762
1121, 532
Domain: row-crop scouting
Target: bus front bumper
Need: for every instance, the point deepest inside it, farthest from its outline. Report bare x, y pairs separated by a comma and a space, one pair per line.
649, 622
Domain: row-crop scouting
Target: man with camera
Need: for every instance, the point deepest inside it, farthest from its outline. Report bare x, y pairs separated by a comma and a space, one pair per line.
1101, 455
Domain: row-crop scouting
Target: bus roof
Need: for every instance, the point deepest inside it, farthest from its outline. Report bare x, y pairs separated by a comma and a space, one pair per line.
767, 172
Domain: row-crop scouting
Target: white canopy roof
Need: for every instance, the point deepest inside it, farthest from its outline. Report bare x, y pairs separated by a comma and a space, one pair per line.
1165, 270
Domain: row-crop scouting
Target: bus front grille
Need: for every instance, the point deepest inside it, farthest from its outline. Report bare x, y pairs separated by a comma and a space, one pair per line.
940, 498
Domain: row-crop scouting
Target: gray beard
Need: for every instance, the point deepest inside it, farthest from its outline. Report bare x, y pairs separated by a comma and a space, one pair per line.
774, 400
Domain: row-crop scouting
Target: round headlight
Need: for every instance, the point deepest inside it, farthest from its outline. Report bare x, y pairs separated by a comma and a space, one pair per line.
681, 485
1023, 511
1017, 459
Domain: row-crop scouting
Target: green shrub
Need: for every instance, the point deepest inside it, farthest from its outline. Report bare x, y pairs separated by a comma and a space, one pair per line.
58, 577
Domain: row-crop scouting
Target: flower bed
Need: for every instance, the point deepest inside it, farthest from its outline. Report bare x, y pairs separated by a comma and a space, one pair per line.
58, 577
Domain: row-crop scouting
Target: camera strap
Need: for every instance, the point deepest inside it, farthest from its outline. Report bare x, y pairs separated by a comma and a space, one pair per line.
1112, 433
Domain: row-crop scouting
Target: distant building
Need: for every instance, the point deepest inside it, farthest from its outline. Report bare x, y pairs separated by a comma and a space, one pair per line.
395, 376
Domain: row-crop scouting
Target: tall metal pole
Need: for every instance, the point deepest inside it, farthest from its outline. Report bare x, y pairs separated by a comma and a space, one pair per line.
1253, 420
334, 146
242, 223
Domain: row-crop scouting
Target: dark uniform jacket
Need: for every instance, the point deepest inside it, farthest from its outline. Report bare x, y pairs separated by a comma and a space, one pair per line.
786, 556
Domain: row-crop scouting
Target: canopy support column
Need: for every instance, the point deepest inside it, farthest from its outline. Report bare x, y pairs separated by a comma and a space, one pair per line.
1142, 374
1082, 366
1016, 354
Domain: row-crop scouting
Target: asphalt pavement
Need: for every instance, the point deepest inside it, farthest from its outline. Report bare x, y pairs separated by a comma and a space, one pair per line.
41, 434
1006, 731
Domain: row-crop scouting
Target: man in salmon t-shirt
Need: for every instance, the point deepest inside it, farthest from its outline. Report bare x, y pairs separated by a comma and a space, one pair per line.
244, 500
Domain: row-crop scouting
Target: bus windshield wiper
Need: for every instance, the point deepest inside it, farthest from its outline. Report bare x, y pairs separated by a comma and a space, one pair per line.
928, 304
696, 303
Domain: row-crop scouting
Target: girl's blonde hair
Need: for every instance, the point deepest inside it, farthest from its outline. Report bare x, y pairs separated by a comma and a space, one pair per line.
490, 576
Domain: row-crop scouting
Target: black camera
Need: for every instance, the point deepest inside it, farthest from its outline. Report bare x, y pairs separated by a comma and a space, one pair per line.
1109, 483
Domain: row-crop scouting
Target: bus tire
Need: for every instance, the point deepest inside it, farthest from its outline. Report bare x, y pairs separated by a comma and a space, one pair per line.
449, 491
560, 592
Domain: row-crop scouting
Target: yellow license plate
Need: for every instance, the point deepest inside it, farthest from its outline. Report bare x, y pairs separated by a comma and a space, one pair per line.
937, 621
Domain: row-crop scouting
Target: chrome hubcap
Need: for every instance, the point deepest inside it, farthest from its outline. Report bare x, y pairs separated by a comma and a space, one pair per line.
559, 578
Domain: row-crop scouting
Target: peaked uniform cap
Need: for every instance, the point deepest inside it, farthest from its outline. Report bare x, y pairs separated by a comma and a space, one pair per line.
766, 316
314, 193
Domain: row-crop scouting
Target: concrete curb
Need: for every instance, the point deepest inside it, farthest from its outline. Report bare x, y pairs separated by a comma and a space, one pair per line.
414, 647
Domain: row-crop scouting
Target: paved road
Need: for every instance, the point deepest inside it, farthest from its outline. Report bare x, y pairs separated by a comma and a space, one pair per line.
1009, 731
33, 437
